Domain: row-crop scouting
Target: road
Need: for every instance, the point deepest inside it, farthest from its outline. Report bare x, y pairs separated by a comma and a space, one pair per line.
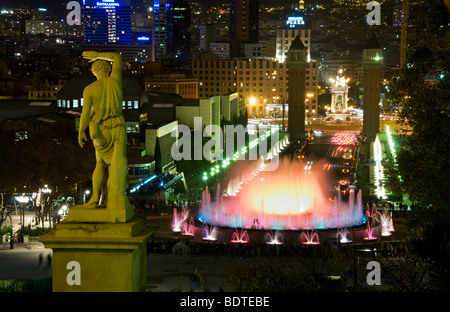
327, 158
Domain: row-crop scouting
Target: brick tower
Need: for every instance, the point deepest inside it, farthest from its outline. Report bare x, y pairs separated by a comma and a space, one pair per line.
296, 64
372, 65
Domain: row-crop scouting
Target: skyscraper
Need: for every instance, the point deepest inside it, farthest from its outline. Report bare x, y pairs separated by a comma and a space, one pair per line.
171, 38
372, 61
296, 64
244, 23
107, 21
178, 30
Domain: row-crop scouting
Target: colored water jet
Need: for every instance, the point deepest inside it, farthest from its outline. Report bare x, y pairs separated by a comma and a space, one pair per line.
285, 199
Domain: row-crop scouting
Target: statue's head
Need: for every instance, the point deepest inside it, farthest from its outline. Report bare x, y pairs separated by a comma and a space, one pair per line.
100, 66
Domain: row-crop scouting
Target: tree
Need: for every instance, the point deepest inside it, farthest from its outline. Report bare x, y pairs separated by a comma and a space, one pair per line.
421, 91
49, 156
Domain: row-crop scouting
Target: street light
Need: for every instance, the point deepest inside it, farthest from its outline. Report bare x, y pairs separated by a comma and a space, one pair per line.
63, 210
87, 192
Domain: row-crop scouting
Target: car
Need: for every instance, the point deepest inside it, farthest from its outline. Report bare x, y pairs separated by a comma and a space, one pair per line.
348, 153
308, 165
347, 156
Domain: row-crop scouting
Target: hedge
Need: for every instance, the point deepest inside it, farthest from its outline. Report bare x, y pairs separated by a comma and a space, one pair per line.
26, 285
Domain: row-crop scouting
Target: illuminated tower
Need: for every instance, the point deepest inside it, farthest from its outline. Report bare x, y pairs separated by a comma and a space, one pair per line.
372, 64
107, 21
301, 5
296, 64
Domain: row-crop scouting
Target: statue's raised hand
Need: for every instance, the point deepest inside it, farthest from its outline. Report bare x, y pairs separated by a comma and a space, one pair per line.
90, 55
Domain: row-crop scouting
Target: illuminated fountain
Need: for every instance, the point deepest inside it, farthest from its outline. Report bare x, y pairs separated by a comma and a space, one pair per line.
274, 238
179, 218
209, 233
309, 237
188, 227
289, 198
391, 223
240, 237
387, 223
372, 216
344, 235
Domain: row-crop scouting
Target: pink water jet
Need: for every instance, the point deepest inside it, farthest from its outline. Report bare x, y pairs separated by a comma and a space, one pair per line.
188, 227
309, 237
391, 223
387, 224
372, 215
240, 237
179, 218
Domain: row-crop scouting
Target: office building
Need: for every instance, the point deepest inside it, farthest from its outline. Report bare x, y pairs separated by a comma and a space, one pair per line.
262, 84
171, 35
244, 24
107, 21
187, 88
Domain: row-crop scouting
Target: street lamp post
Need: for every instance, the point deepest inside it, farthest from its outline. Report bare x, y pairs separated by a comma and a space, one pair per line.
87, 192
11, 239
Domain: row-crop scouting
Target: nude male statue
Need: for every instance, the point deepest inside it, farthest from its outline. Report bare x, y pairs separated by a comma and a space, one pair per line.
102, 113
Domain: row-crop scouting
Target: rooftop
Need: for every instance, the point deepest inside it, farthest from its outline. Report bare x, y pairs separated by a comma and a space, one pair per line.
373, 43
74, 87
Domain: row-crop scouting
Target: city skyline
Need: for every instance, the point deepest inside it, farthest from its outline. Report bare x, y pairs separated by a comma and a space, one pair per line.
244, 129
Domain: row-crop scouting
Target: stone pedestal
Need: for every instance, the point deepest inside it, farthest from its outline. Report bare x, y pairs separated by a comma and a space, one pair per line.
98, 256
339, 116
97, 213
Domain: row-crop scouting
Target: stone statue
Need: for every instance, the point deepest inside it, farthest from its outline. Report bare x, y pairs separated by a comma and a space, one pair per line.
102, 113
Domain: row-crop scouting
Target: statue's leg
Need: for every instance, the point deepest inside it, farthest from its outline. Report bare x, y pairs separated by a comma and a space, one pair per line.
98, 178
117, 198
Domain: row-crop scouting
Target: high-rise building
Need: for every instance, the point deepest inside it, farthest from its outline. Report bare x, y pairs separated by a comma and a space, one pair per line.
171, 38
244, 23
285, 37
296, 63
372, 65
178, 30
187, 88
262, 84
207, 36
107, 21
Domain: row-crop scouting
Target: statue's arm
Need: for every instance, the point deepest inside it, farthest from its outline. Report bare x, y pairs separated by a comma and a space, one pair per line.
115, 58
85, 116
